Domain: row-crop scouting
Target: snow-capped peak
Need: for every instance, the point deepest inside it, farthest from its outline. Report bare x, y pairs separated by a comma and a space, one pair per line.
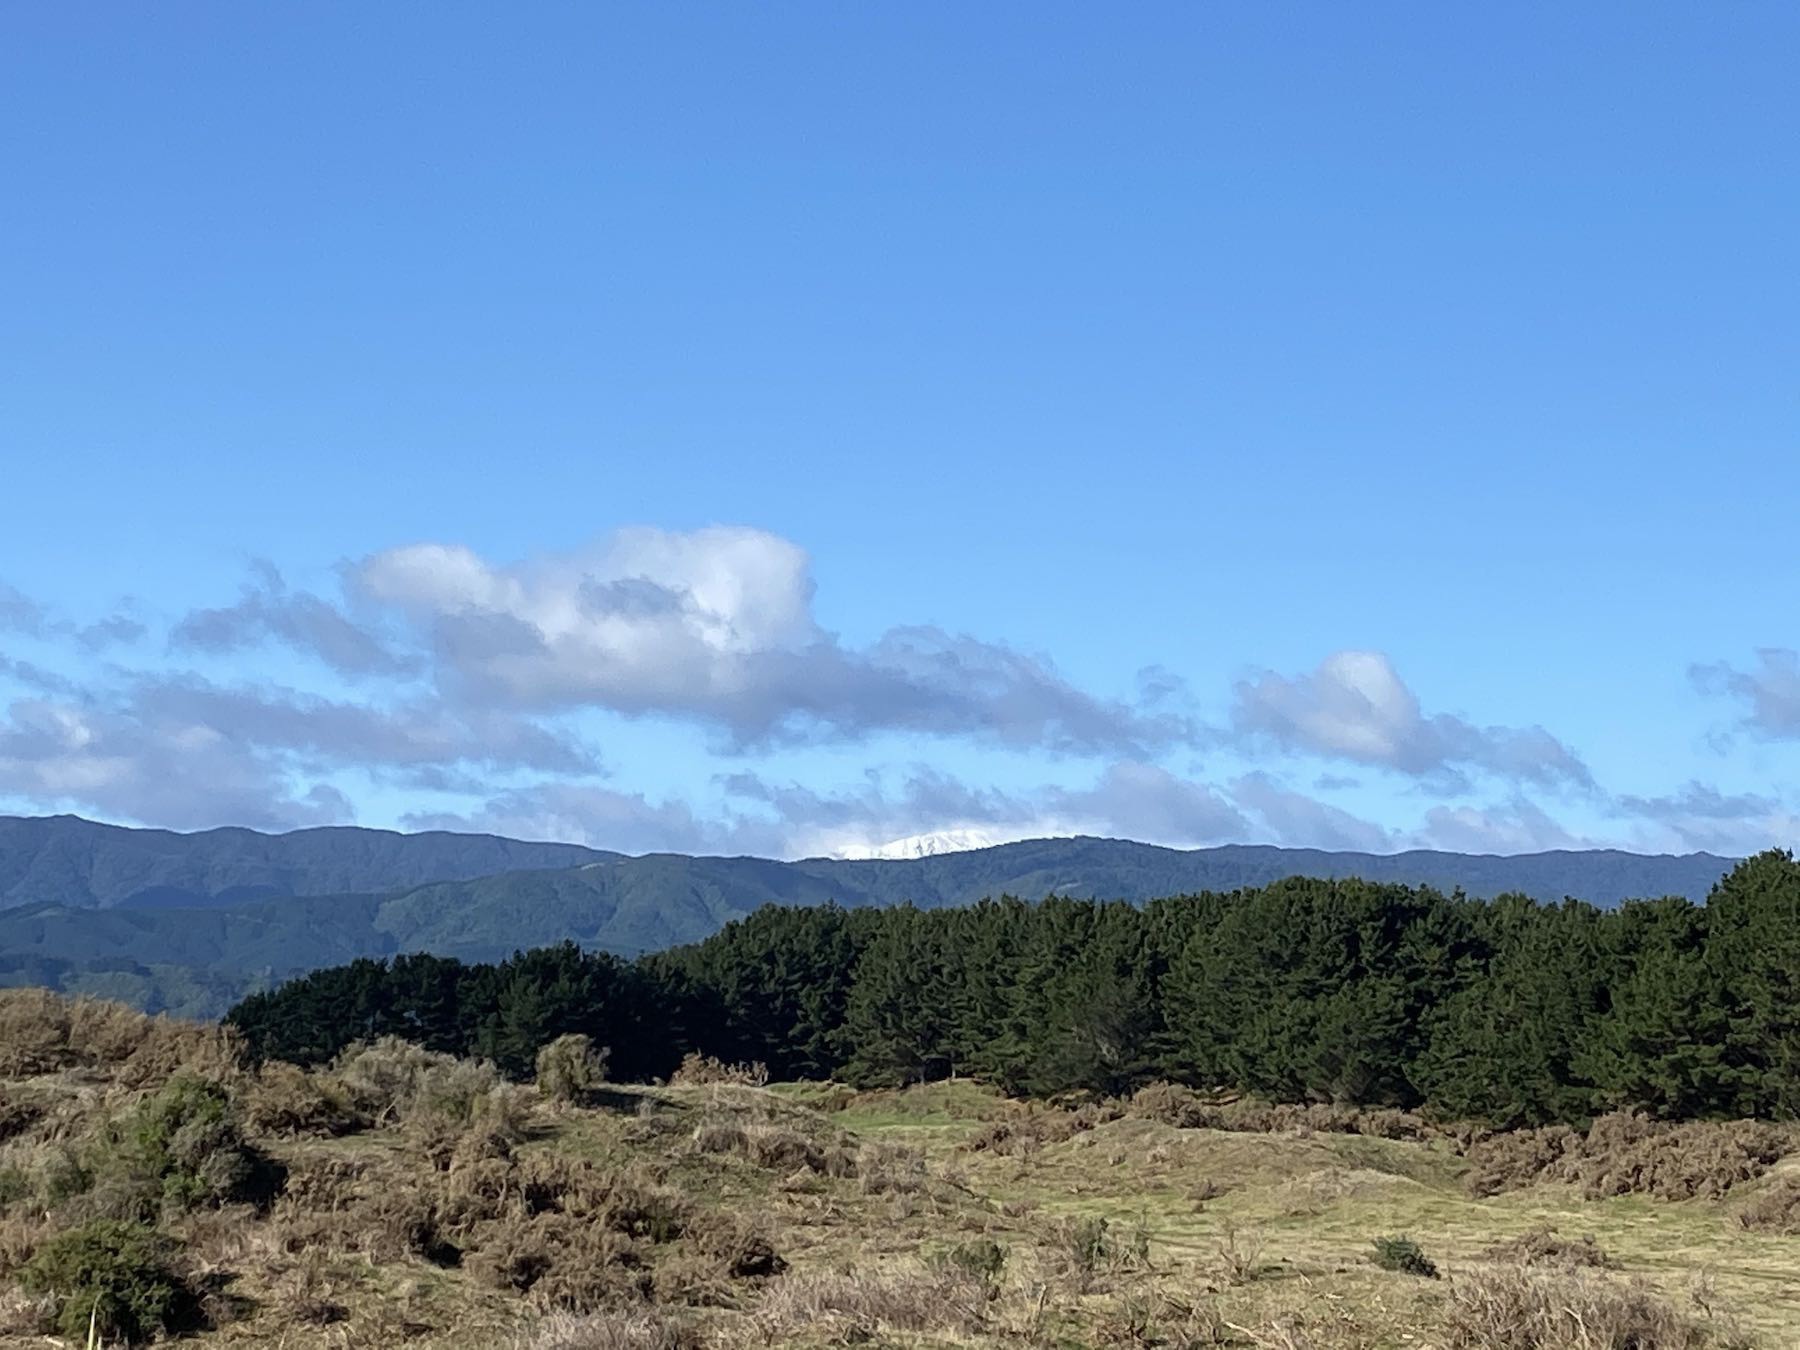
924, 845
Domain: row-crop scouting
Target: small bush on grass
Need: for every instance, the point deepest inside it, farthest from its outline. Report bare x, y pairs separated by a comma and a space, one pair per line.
15, 1186
570, 1067
1085, 1244
1775, 1210
1626, 1153
17, 1116
284, 1100
1542, 1247
698, 1070
392, 1079
981, 1257
119, 1275
609, 1331
1515, 1308
186, 1140
1404, 1255
859, 1307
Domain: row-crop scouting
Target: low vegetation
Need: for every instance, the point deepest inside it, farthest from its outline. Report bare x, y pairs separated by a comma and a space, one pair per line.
157, 1184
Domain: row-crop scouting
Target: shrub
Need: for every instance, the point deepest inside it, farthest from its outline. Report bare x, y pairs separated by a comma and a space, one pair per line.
1026, 1134
1774, 1210
42, 1032
119, 1275
717, 1136
1404, 1255
1515, 1308
284, 1100
392, 1079
1084, 1242
608, 1331
563, 1263
1542, 1247
14, 1186
783, 1150
1627, 1153
186, 1140
981, 1257
570, 1067
890, 1169
698, 1070
17, 1116
853, 1308
64, 1176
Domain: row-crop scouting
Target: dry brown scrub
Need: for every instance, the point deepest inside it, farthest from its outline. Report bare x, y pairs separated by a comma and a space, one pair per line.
1630, 1154
1515, 1308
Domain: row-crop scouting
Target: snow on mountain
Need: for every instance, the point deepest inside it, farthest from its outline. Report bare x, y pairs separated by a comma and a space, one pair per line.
925, 845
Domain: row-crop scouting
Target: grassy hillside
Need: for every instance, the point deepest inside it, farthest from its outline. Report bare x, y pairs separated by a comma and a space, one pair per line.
405, 1198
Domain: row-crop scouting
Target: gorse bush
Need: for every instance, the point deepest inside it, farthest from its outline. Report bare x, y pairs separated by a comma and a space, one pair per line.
42, 1032
186, 1139
396, 1080
698, 1070
1516, 1308
981, 1257
570, 1066
117, 1276
285, 1100
1404, 1255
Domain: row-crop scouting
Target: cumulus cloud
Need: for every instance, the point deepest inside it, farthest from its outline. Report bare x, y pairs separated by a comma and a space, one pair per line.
624, 822
1703, 819
179, 774
19, 613
473, 677
1515, 826
417, 733
184, 753
1296, 819
1769, 693
1356, 707
112, 631
268, 609
717, 626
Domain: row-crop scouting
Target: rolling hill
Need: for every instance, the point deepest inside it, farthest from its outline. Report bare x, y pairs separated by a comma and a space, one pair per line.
84, 864
190, 921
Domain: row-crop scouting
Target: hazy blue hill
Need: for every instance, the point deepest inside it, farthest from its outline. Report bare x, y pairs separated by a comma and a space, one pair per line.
70, 861
196, 956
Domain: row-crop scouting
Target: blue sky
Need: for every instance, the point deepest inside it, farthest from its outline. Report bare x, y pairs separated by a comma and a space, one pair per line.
785, 428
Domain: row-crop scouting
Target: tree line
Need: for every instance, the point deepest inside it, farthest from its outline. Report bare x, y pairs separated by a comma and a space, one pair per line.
1505, 1011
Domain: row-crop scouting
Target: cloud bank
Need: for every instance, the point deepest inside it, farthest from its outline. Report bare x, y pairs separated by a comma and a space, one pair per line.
482, 692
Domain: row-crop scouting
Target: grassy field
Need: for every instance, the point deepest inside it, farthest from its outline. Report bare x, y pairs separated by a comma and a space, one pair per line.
421, 1202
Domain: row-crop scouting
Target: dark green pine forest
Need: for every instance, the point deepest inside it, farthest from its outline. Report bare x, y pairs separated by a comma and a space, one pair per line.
1505, 1011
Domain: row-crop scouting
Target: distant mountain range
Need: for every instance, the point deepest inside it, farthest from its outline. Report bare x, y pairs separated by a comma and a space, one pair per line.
191, 921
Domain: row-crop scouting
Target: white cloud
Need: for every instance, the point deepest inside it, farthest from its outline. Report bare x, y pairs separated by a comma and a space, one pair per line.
1770, 693
1702, 819
1517, 826
717, 626
1356, 707
1297, 820
268, 609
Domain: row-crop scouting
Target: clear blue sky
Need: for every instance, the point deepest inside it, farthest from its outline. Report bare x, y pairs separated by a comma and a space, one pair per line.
789, 427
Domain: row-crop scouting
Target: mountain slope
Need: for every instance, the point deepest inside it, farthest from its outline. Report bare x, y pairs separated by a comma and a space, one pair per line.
631, 905
70, 861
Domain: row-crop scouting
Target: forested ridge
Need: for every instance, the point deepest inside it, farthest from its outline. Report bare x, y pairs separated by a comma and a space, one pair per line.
1505, 1011
190, 923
